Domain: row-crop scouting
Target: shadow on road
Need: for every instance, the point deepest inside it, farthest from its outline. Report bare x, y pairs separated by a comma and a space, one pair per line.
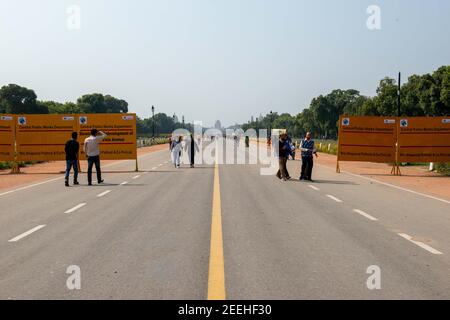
329, 182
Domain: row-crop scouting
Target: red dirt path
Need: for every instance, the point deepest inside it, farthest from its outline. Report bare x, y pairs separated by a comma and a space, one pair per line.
416, 178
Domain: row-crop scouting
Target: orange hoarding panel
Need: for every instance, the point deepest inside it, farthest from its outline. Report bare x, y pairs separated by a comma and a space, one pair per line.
423, 139
121, 130
42, 137
6, 137
369, 139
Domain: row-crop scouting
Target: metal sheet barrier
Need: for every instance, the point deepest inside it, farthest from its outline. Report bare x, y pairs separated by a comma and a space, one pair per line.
394, 140
43, 137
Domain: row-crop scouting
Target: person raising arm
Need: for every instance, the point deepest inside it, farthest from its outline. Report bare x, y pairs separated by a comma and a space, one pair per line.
92, 150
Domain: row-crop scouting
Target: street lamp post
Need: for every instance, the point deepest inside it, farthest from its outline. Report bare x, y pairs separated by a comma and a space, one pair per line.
153, 120
270, 124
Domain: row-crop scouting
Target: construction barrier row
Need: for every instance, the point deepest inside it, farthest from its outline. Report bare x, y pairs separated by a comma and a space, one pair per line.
43, 137
394, 140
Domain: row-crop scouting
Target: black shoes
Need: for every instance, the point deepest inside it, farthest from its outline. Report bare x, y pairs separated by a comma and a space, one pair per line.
100, 182
75, 183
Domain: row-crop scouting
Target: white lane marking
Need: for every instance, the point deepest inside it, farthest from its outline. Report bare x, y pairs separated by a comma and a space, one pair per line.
30, 186
420, 244
154, 168
81, 205
136, 177
334, 198
124, 183
368, 216
161, 165
314, 187
26, 234
103, 193
390, 185
60, 178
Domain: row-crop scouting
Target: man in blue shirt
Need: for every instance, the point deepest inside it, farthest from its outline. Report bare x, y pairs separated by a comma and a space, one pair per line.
307, 148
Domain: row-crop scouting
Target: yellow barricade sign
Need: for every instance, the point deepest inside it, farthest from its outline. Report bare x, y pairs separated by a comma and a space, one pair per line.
43, 137
370, 139
121, 142
7, 137
424, 139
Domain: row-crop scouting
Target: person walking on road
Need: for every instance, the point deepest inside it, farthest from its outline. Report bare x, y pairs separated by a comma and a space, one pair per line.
72, 148
176, 151
293, 149
92, 150
307, 149
283, 153
191, 147
170, 144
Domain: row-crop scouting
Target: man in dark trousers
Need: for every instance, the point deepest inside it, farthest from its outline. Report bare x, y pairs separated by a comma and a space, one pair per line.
307, 148
191, 147
283, 154
92, 150
72, 148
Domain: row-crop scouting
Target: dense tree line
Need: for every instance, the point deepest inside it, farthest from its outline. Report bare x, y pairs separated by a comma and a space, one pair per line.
164, 125
421, 95
15, 99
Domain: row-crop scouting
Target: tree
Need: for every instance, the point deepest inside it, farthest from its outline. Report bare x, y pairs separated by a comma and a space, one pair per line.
440, 91
114, 105
412, 103
386, 99
307, 122
98, 103
445, 92
284, 121
369, 108
61, 108
92, 103
15, 99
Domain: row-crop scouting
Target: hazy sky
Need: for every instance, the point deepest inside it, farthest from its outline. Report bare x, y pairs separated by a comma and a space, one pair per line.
217, 59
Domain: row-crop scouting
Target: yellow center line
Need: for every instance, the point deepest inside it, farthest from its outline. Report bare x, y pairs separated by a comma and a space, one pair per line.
216, 276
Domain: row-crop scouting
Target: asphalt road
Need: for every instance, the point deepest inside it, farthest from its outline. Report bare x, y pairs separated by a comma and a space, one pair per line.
155, 237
